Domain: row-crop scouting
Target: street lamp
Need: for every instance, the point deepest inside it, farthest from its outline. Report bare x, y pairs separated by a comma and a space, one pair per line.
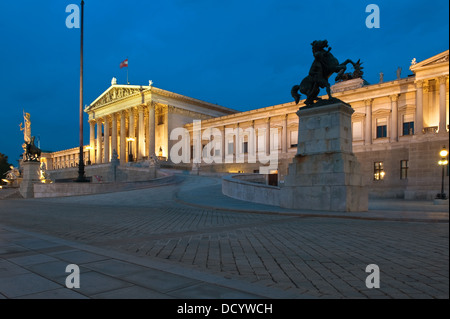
81, 173
443, 162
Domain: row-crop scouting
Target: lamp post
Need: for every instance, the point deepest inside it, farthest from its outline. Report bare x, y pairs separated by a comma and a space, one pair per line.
81, 173
443, 162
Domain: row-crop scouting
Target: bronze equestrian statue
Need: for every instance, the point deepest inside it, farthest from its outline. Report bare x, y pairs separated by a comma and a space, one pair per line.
32, 152
324, 65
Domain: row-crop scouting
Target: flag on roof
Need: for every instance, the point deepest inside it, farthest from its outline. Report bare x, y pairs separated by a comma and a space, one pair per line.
124, 63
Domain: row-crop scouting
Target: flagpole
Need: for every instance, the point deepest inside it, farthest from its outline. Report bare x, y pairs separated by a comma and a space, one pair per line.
81, 174
127, 71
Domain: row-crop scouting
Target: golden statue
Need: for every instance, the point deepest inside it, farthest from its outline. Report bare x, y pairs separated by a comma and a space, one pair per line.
26, 131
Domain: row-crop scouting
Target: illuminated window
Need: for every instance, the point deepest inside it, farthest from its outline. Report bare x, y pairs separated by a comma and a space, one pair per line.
403, 169
378, 171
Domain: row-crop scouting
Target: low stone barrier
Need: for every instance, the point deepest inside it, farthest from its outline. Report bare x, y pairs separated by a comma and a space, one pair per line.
244, 187
76, 189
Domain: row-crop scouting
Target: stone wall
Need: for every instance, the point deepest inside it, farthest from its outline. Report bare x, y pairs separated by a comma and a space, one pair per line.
106, 173
235, 186
76, 189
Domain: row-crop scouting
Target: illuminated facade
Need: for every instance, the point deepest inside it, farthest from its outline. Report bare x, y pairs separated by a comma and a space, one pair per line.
398, 129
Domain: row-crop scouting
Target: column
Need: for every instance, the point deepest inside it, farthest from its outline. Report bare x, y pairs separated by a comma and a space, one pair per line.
252, 144
114, 133
418, 123
151, 128
166, 132
106, 140
284, 135
123, 137
98, 158
92, 141
237, 145
442, 104
222, 131
131, 132
394, 117
267, 139
141, 140
368, 124
256, 138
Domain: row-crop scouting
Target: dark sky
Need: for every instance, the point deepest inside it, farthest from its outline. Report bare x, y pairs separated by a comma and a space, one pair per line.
240, 54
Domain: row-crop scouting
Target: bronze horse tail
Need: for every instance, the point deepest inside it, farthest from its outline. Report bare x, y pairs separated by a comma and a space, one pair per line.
295, 94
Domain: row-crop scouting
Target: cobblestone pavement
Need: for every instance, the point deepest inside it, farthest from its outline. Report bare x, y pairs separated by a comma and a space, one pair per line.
315, 256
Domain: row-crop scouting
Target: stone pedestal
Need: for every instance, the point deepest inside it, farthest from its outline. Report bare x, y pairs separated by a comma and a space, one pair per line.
325, 174
31, 174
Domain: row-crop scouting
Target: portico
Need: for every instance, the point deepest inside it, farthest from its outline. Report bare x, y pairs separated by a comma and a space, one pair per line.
135, 121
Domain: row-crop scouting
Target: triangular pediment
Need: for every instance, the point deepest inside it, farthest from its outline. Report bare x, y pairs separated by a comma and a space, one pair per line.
441, 58
115, 93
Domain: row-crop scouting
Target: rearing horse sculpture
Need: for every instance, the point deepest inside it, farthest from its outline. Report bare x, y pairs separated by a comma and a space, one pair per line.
32, 152
324, 65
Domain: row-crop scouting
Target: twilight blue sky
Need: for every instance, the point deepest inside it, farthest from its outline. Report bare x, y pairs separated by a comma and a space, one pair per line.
241, 54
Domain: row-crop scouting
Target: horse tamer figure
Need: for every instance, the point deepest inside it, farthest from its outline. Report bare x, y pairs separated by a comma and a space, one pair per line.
324, 65
32, 152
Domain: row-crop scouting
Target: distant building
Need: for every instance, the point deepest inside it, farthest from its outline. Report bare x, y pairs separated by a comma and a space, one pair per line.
398, 129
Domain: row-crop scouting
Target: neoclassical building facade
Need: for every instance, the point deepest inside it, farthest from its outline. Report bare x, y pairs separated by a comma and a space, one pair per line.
398, 129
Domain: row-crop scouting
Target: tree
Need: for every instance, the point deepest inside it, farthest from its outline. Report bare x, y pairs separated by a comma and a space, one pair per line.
4, 165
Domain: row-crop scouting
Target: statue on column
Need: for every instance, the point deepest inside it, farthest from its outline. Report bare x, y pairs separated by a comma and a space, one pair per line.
31, 151
26, 127
323, 66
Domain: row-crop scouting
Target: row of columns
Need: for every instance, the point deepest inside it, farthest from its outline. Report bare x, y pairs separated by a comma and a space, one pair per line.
237, 143
418, 122
137, 147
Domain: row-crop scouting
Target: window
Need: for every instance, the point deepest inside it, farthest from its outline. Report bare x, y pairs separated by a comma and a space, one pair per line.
378, 171
294, 138
230, 148
403, 169
381, 128
245, 147
408, 128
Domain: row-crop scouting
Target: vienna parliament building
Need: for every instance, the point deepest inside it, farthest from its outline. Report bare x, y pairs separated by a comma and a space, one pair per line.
398, 129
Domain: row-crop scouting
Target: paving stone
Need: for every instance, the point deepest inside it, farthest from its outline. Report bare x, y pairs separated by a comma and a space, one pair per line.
160, 280
322, 256
132, 292
25, 284
209, 291
31, 259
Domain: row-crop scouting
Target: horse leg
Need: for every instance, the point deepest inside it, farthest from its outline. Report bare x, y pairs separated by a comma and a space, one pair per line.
328, 90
